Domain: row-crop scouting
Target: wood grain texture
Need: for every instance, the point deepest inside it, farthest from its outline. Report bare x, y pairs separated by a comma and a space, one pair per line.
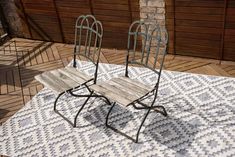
201, 28
122, 90
54, 20
63, 79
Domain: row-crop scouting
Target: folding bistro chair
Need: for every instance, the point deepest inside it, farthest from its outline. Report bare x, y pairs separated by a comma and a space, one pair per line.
126, 91
88, 39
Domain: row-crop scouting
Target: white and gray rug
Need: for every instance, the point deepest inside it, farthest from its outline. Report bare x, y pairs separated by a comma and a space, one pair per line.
201, 121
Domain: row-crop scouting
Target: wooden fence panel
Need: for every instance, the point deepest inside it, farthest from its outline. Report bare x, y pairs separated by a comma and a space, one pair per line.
42, 16
116, 16
68, 12
198, 27
170, 24
54, 20
229, 35
201, 28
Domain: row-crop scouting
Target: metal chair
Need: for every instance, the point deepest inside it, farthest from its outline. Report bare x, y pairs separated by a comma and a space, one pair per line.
126, 91
88, 40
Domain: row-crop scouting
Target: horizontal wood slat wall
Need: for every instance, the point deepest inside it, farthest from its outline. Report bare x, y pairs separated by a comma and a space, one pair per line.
229, 34
55, 19
202, 28
170, 24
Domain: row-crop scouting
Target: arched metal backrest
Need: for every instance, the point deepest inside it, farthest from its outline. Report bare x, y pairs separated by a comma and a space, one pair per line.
138, 30
155, 38
88, 39
161, 38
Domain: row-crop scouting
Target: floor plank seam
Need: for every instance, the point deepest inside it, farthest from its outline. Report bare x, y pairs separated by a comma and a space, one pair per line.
21, 82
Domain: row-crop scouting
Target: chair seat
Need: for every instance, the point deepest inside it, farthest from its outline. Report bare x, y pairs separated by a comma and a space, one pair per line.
63, 79
122, 90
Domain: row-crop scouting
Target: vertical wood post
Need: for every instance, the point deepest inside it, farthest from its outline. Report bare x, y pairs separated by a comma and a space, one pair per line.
91, 7
174, 52
130, 11
223, 30
59, 21
26, 18
130, 17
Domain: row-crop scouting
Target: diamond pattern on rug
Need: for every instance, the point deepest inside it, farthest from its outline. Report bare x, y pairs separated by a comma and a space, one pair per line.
201, 120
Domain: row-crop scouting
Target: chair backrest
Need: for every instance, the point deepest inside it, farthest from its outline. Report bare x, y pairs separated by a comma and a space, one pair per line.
140, 42
88, 40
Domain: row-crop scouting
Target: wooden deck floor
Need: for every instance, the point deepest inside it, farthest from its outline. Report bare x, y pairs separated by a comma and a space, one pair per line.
17, 70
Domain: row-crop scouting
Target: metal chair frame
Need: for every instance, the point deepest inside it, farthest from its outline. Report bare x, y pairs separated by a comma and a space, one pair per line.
91, 26
147, 39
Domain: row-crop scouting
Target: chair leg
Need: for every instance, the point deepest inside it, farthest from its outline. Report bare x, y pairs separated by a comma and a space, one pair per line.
57, 100
107, 117
164, 113
137, 135
74, 61
75, 119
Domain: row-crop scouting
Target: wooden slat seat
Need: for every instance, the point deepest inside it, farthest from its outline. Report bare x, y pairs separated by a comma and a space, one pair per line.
122, 90
63, 79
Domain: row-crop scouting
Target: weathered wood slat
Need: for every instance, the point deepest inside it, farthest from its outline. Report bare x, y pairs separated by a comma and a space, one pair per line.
122, 90
62, 79
76, 72
113, 96
134, 82
128, 89
48, 83
118, 91
51, 81
133, 86
72, 76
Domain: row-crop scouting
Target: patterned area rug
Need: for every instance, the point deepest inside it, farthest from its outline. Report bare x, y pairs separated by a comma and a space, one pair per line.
201, 121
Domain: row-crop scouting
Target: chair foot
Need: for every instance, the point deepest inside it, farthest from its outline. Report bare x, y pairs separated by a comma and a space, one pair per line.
163, 112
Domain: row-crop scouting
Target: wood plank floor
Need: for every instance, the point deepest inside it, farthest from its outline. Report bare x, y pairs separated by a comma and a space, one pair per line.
17, 70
